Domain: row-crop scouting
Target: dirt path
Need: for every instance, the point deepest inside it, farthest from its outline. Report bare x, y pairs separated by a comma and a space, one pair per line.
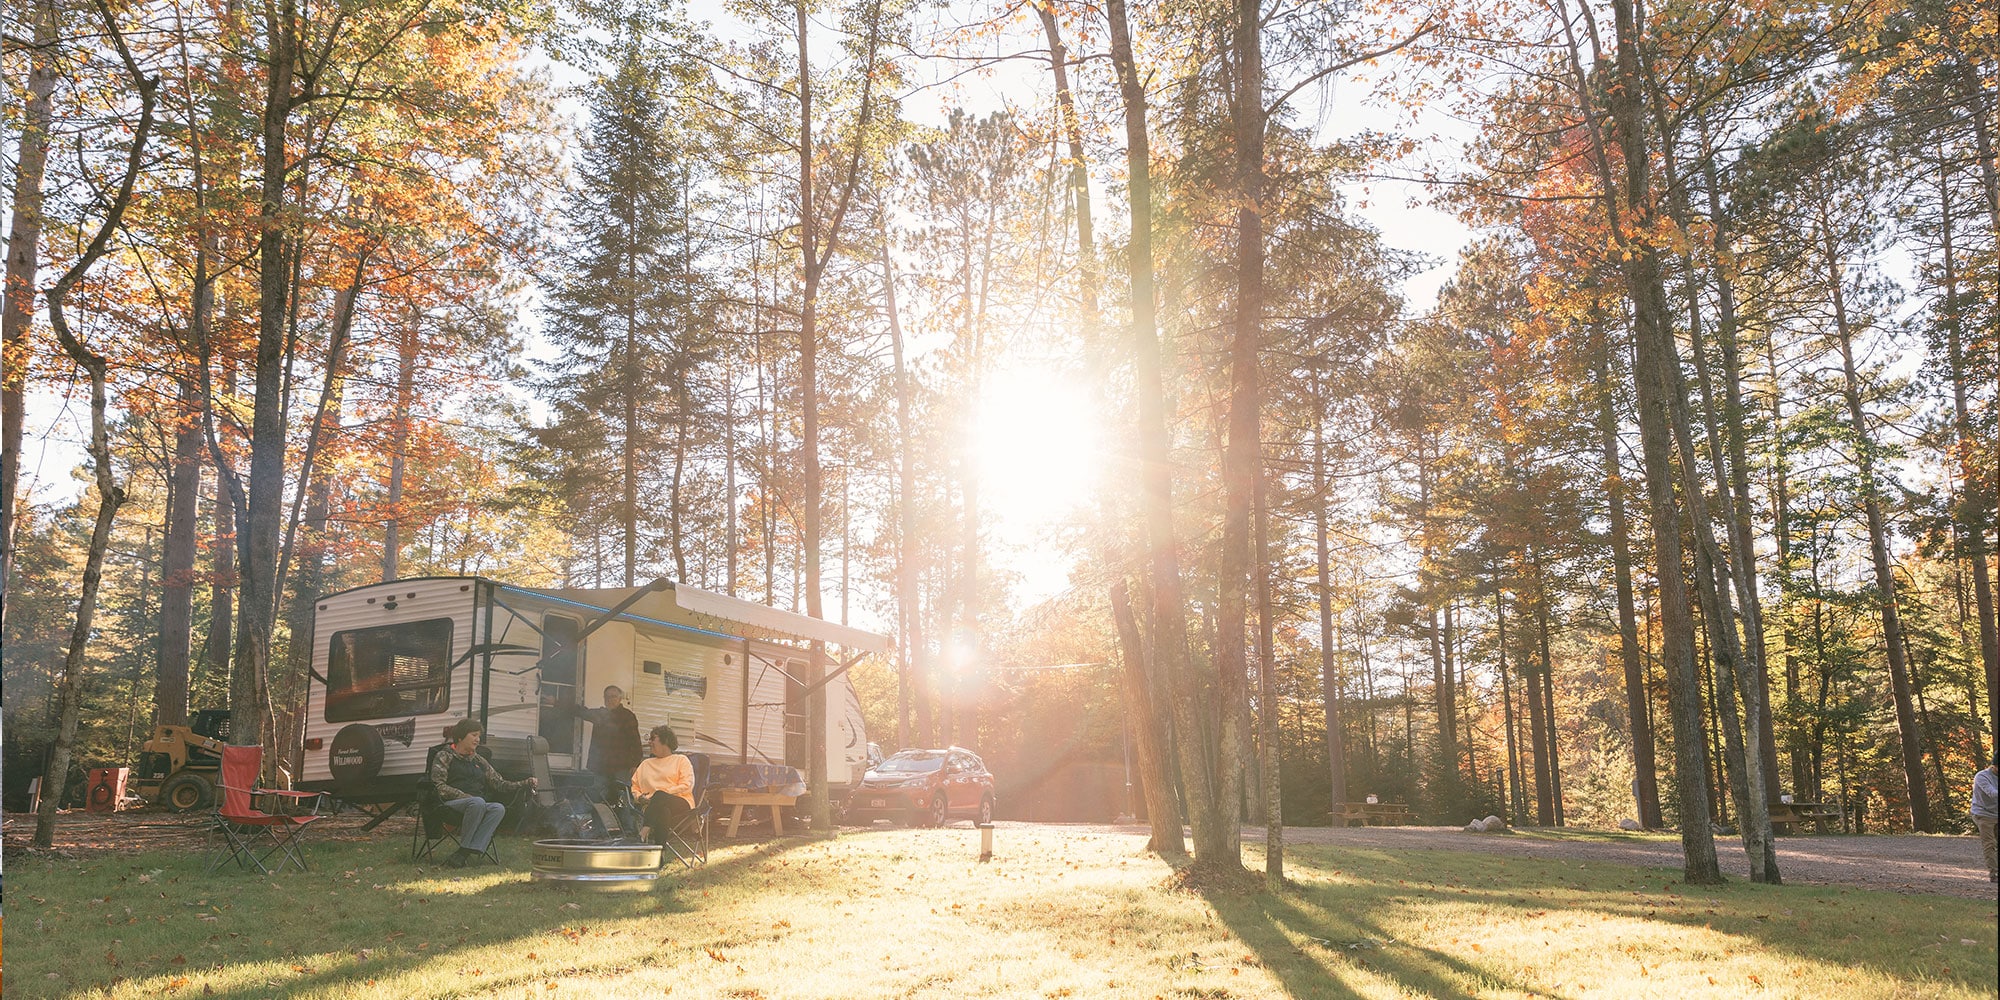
82, 834
1946, 866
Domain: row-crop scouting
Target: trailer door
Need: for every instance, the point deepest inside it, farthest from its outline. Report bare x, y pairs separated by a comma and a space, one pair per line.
559, 686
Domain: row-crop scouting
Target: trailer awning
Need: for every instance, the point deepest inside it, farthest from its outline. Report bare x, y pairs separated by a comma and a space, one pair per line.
702, 602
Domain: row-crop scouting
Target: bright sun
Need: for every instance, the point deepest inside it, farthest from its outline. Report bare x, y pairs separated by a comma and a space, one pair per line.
1039, 447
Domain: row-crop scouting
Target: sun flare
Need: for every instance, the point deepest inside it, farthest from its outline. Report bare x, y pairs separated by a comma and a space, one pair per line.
1038, 447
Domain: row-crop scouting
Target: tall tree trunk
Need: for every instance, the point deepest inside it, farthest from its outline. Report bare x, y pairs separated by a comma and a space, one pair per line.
23, 260
1541, 711
1805, 779
733, 537
263, 502
814, 258
908, 619
1516, 801
177, 547
1654, 349
1878, 544
1149, 737
1329, 671
1975, 509
1079, 170
1720, 581
1267, 698
628, 439
110, 495
809, 449
399, 448
1241, 450
219, 642
1742, 546
1645, 761
1216, 837
1747, 771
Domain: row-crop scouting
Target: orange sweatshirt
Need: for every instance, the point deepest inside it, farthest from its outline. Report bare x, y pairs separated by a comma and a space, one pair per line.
671, 773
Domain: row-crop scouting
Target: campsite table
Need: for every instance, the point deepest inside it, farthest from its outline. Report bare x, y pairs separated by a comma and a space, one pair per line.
739, 785
1372, 813
1784, 814
736, 799
753, 777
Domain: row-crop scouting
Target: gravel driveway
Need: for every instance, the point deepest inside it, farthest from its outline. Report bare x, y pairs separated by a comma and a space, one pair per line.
1945, 866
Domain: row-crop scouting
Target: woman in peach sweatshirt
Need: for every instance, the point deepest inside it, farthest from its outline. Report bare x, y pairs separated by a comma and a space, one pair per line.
663, 785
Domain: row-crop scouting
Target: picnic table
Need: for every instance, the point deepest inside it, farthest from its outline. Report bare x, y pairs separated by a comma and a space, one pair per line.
1372, 814
737, 786
737, 798
1784, 814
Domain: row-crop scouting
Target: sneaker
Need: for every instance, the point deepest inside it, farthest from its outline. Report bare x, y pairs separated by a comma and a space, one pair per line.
457, 859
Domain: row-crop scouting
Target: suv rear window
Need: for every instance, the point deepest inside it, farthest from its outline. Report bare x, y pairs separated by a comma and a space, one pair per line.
389, 671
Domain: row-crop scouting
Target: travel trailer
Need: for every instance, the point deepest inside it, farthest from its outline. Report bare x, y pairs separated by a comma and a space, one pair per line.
395, 663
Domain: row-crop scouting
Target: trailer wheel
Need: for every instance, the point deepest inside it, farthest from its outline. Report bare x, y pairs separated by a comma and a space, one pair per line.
187, 791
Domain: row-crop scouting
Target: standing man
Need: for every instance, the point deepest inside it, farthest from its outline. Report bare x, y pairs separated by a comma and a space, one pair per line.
464, 780
1986, 814
614, 749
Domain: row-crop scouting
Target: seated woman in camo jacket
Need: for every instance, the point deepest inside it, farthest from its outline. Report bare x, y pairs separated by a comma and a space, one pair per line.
464, 781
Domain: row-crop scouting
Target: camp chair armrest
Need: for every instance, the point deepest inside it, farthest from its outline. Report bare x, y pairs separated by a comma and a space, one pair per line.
319, 798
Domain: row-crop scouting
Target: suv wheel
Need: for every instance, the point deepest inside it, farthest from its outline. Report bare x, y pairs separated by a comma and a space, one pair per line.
939, 813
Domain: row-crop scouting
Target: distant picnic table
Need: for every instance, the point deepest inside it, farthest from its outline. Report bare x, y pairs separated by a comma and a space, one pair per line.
1784, 814
1372, 814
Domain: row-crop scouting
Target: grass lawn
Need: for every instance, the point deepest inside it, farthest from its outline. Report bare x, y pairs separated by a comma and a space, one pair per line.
911, 913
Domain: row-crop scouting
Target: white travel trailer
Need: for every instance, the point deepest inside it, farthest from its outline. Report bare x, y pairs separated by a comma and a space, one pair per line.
395, 663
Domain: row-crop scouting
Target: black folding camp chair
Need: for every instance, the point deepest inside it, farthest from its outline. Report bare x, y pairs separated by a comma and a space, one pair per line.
688, 839
435, 823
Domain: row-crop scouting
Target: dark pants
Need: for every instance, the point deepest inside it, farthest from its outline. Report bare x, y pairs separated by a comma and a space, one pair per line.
618, 792
664, 811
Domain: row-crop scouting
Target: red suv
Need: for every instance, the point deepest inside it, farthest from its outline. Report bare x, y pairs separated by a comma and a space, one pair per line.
925, 788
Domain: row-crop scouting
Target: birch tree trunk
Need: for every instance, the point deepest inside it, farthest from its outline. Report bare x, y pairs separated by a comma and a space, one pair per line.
24, 236
110, 495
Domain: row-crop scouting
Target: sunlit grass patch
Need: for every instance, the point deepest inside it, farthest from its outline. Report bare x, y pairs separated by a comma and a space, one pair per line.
1060, 912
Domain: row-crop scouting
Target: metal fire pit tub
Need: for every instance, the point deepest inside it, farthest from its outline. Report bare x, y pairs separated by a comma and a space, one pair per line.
597, 864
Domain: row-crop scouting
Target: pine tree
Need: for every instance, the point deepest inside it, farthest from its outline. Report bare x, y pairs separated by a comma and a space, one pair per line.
618, 297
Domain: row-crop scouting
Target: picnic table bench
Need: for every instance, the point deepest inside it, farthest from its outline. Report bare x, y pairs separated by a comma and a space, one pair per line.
1372, 814
1784, 814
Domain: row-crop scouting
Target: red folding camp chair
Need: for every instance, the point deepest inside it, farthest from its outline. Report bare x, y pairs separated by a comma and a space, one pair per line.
247, 835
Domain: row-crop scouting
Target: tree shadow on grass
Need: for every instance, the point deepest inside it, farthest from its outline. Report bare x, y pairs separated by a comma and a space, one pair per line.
1812, 923
1312, 954
451, 917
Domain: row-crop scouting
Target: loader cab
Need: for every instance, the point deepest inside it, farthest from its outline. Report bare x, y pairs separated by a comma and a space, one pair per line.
211, 722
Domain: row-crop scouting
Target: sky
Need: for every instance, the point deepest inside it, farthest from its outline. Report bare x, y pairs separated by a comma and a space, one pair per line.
1040, 452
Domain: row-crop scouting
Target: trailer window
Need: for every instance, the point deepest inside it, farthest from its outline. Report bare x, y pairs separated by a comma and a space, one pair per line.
389, 671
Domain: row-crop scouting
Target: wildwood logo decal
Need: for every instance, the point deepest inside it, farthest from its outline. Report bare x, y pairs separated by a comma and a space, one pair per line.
686, 682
